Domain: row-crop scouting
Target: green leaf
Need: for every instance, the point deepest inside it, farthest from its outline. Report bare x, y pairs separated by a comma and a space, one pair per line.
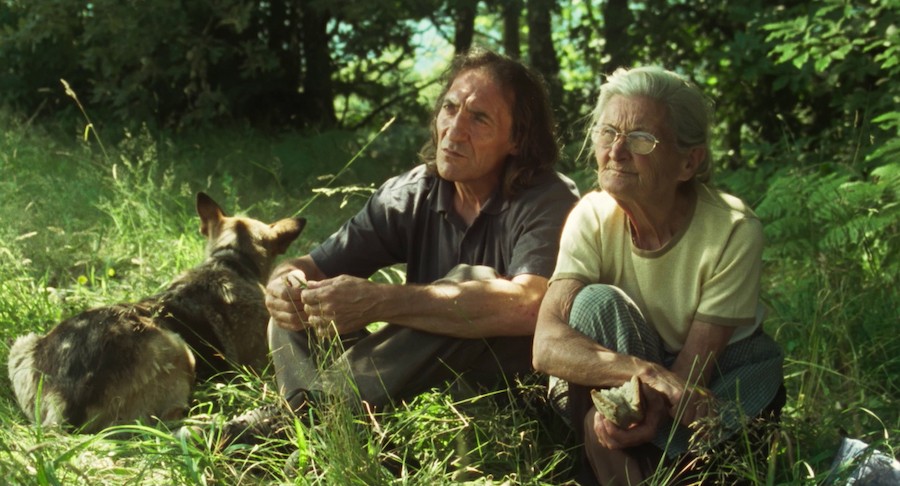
888, 173
800, 60
842, 52
887, 118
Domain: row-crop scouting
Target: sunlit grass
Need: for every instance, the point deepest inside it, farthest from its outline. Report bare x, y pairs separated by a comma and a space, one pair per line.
82, 229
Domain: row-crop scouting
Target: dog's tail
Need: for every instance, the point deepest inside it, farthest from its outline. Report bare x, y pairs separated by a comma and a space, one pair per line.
27, 382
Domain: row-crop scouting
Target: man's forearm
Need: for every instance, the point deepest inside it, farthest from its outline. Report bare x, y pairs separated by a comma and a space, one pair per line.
472, 309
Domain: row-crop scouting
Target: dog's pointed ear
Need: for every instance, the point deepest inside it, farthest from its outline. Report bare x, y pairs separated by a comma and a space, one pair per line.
210, 213
286, 231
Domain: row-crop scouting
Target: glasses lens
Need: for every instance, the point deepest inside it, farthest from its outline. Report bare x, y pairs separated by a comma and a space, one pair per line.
641, 143
606, 136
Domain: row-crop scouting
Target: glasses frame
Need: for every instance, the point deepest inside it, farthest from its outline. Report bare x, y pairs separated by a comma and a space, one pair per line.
629, 140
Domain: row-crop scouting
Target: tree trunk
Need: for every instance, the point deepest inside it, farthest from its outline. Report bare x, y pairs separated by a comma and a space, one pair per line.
541, 52
464, 21
318, 89
512, 10
617, 17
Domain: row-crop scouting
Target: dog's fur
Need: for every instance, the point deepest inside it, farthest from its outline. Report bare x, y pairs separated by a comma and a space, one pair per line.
139, 361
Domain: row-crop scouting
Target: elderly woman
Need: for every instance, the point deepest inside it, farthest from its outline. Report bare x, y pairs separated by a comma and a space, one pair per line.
658, 277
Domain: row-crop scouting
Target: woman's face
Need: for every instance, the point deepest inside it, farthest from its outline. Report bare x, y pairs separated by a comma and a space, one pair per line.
627, 176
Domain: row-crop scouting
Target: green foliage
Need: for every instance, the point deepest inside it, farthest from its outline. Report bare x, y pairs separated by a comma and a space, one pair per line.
845, 57
834, 227
172, 63
826, 189
832, 274
811, 75
814, 216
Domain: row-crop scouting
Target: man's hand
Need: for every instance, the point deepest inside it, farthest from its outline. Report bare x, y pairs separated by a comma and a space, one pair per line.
340, 305
344, 304
284, 295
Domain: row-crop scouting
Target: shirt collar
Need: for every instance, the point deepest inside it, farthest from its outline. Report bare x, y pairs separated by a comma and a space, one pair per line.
442, 198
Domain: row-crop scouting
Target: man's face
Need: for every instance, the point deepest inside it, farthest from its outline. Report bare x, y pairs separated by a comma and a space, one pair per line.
474, 130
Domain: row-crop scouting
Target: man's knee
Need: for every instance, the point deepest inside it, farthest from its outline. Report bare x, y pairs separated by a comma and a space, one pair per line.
465, 273
277, 335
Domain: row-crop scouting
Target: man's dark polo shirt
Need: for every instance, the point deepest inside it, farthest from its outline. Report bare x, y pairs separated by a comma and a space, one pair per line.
410, 220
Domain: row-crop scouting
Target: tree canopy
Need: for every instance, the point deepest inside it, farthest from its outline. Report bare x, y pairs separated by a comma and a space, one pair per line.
816, 75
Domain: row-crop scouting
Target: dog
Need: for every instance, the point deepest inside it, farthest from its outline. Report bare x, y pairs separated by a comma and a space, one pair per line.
140, 361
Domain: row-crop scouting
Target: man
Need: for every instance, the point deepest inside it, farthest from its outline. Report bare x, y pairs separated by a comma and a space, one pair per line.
477, 226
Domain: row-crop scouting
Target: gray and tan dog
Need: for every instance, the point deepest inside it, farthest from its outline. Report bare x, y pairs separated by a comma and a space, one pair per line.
139, 361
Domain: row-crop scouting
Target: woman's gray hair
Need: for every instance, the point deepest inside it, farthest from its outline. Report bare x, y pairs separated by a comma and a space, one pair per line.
690, 112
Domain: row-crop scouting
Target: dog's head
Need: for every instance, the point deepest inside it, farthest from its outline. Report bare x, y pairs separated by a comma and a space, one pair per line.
259, 240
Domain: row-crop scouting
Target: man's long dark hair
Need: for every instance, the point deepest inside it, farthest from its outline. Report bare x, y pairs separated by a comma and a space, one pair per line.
533, 126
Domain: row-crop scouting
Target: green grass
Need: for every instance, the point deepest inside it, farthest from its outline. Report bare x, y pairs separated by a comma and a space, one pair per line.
80, 228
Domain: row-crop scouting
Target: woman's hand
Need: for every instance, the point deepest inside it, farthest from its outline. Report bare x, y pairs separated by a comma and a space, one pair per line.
696, 403
611, 436
686, 403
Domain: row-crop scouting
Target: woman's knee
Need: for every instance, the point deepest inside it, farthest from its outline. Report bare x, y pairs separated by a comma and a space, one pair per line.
607, 315
597, 305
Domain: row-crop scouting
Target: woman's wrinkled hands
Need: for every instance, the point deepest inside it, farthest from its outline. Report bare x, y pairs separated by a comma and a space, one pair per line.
611, 436
686, 403
696, 403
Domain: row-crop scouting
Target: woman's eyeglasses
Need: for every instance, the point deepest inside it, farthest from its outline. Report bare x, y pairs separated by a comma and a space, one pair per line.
640, 143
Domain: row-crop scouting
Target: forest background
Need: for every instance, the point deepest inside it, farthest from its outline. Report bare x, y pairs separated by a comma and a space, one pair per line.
115, 113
